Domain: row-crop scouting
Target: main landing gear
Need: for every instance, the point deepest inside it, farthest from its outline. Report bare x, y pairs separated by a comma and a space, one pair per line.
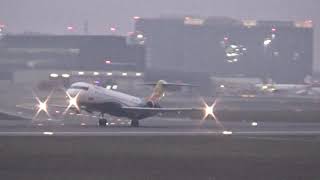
102, 121
134, 123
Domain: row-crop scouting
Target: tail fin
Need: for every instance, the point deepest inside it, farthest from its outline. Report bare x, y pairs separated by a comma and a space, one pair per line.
158, 91
161, 86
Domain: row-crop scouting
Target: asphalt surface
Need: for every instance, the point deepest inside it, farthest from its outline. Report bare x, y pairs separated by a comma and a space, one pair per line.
159, 149
159, 157
244, 142
156, 127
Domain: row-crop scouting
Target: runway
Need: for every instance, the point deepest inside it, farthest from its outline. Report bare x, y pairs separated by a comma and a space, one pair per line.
158, 127
275, 135
272, 116
236, 146
137, 157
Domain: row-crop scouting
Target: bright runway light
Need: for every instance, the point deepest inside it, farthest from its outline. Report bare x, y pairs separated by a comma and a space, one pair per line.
209, 111
136, 17
254, 124
227, 132
73, 102
54, 75
65, 75
264, 87
124, 74
48, 133
140, 36
233, 46
115, 87
267, 42
42, 105
70, 28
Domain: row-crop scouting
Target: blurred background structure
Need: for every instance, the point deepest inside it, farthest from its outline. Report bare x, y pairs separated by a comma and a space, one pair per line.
180, 49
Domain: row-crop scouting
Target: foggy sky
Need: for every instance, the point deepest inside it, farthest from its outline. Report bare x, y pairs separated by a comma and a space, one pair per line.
53, 16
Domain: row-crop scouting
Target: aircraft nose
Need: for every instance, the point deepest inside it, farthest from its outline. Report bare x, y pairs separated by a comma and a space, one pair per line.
73, 92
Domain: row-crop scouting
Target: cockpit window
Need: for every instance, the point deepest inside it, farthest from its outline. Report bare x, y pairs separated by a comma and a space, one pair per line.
80, 87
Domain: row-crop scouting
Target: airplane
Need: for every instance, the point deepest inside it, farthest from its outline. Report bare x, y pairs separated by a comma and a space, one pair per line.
278, 88
310, 87
92, 98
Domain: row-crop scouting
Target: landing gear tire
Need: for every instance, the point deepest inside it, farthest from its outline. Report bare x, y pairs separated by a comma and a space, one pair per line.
102, 122
134, 123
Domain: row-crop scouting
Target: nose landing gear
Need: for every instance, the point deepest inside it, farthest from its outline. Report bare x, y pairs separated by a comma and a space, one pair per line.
102, 121
134, 123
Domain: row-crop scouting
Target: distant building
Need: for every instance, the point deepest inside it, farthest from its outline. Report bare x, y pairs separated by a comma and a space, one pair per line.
47, 61
280, 50
71, 52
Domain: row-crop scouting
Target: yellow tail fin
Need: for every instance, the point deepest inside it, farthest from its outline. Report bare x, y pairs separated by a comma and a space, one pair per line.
158, 91
161, 86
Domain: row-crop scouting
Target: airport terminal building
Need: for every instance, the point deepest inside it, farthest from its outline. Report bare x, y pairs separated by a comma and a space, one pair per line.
280, 50
77, 52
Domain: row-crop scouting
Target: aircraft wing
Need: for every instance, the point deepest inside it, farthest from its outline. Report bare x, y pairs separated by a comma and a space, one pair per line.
6, 115
30, 107
34, 107
167, 84
168, 112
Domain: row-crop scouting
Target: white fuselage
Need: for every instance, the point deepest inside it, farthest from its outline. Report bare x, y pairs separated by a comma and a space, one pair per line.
95, 96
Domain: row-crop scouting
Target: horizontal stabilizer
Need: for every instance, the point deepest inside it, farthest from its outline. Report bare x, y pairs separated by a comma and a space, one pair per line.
167, 84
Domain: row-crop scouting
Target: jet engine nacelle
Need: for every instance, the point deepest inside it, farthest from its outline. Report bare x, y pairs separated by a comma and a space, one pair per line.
152, 104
